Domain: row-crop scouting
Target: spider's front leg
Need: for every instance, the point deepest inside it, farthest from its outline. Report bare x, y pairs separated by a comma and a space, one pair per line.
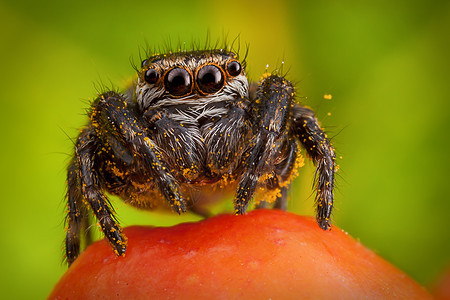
123, 124
271, 108
116, 134
311, 135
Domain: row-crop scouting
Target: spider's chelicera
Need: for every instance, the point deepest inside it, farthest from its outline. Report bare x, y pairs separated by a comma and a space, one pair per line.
191, 128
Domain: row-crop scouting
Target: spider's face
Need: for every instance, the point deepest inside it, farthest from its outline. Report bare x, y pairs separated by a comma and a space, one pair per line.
190, 78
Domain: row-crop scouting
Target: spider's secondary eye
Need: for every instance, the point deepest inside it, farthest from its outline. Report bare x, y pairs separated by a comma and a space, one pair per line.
178, 82
234, 68
151, 76
210, 79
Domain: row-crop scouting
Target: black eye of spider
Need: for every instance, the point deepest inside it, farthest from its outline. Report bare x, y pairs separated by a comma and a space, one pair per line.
234, 68
178, 82
151, 76
210, 79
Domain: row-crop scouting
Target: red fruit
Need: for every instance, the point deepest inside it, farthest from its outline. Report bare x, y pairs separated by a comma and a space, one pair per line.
441, 289
263, 254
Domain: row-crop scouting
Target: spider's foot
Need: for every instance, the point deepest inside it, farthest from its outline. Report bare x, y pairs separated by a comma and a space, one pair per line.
324, 223
117, 239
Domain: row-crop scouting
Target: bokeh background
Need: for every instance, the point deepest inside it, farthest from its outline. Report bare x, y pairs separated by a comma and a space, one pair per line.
385, 63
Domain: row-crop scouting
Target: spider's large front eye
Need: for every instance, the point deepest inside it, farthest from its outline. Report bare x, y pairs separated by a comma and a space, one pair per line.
210, 79
234, 68
178, 82
151, 76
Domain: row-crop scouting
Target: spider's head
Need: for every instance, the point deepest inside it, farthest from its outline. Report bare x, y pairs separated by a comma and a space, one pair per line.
190, 77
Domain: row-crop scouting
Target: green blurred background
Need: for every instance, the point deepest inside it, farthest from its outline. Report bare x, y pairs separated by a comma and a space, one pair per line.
386, 63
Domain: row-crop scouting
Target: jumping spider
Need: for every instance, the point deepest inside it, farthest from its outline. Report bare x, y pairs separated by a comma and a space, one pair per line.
192, 123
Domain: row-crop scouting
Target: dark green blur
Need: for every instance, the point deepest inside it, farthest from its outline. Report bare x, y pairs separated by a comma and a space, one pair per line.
385, 63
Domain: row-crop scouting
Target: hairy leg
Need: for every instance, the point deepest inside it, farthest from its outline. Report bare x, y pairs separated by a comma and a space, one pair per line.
92, 193
74, 218
311, 135
111, 114
271, 106
283, 175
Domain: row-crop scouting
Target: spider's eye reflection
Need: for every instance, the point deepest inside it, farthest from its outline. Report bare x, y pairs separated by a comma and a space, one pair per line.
210, 79
151, 76
234, 68
178, 82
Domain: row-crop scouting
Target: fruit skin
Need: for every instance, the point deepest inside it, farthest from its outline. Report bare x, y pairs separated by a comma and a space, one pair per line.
263, 254
441, 288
